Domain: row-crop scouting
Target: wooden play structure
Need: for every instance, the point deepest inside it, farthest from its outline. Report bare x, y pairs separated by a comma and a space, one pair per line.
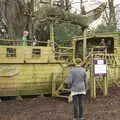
43, 68
108, 75
33, 70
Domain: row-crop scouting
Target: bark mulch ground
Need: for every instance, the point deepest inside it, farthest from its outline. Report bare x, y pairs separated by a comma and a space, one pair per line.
48, 108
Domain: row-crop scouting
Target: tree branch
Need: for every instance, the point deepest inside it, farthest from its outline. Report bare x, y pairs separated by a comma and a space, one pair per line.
62, 15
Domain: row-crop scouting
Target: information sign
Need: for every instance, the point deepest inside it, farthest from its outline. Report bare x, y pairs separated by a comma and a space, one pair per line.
100, 67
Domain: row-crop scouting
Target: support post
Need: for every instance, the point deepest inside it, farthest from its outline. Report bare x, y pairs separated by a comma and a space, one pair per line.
53, 84
52, 36
84, 44
52, 31
105, 92
92, 80
105, 78
93, 87
74, 47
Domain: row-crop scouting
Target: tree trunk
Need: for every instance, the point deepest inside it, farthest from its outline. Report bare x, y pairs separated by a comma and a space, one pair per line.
13, 14
16, 14
30, 24
112, 19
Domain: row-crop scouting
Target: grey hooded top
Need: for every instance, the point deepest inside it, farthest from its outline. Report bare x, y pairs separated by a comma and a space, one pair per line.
78, 80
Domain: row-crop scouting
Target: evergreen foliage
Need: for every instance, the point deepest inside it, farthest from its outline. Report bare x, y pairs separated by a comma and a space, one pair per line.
64, 33
104, 28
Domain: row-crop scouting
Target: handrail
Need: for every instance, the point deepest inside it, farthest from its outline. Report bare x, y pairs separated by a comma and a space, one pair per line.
86, 59
66, 48
9, 40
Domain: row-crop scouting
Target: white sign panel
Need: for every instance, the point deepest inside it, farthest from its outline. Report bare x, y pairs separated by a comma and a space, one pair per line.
100, 67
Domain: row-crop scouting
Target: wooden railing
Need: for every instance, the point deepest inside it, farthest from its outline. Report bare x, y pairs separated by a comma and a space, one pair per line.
18, 41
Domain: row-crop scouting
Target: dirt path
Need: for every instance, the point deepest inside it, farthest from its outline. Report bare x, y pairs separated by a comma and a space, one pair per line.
46, 108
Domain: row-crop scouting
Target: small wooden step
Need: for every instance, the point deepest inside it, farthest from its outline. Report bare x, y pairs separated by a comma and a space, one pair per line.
64, 89
62, 96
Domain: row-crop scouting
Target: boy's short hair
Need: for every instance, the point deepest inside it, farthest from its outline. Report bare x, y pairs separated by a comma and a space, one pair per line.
78, 61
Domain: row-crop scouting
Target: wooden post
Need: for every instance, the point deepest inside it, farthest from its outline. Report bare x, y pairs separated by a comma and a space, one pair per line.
74, 47
59, 54
105, 92
52, 31
91, 86
84, 44
94, 87
53, 84
93, 80
52, 36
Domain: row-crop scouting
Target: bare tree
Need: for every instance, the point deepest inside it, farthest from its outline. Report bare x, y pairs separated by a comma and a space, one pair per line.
82, 8
110, 15
56, 14
11, 13
112, 19
18, 15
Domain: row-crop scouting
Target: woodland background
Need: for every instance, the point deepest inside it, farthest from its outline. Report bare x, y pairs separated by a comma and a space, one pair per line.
19, 15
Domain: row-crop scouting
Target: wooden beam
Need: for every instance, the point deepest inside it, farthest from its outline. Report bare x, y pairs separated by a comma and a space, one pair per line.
84, 44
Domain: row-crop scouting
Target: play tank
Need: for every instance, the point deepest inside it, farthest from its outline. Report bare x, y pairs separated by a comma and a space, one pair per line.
28, 70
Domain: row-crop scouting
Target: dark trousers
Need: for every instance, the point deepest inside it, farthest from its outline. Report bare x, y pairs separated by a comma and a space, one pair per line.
78, 104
